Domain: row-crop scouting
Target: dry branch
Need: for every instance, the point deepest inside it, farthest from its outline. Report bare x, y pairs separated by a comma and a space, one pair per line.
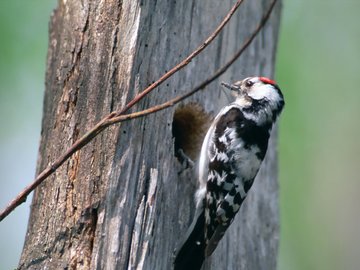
118, 116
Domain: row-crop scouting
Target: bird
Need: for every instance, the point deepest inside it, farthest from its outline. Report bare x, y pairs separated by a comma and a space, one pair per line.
231, 154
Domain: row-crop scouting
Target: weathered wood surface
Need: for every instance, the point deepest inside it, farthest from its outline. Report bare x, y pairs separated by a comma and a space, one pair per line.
119, 203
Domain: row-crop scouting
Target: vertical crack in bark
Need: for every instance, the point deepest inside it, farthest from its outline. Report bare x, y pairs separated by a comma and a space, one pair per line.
144, 223
113, 66
82, 237
72, 189
73, 72
133, 225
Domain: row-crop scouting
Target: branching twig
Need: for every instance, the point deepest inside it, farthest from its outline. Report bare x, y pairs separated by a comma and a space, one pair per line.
118, 116
202, 85
21, 197
184, 62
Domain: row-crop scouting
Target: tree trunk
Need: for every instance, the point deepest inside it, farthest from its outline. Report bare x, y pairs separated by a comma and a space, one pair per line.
120, 203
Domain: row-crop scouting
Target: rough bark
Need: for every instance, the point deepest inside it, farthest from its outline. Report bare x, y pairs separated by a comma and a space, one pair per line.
119, 203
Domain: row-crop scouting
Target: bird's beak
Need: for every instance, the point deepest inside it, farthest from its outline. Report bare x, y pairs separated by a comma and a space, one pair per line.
231, 87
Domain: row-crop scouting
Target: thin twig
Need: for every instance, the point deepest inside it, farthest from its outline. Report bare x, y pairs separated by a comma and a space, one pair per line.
21, 197
184, 62
112, 119
202, 85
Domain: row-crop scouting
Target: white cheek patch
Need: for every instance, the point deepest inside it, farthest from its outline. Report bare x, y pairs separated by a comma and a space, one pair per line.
264, 91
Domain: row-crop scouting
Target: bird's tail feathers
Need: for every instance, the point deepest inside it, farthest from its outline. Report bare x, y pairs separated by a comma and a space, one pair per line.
214, 240
191, 254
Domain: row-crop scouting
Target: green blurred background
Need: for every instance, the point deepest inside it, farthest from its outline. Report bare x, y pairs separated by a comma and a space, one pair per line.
318, 69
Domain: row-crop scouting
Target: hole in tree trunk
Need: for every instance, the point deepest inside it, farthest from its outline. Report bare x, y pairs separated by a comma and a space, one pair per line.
189, 128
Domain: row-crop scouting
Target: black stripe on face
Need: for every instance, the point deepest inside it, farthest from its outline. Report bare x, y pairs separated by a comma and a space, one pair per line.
261, 104
256, 106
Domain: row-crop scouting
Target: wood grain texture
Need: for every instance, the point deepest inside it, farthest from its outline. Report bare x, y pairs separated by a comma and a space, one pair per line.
119, 203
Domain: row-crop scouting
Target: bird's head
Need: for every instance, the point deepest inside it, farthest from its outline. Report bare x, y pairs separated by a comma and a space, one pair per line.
257, 90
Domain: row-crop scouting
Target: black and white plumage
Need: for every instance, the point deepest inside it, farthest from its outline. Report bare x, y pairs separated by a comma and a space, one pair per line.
231, 155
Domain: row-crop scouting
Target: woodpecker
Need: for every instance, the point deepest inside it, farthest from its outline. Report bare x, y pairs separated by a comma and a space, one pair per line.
231, 155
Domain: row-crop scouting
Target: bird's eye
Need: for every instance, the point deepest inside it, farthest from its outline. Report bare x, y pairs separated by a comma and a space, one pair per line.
249, 83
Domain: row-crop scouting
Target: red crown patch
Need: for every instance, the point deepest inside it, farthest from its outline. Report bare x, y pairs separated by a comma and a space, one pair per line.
267, 80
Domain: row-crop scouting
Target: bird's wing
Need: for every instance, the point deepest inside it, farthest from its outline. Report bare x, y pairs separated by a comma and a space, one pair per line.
224, 187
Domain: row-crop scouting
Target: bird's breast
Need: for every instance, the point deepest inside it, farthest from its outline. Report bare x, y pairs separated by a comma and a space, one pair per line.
245, 161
